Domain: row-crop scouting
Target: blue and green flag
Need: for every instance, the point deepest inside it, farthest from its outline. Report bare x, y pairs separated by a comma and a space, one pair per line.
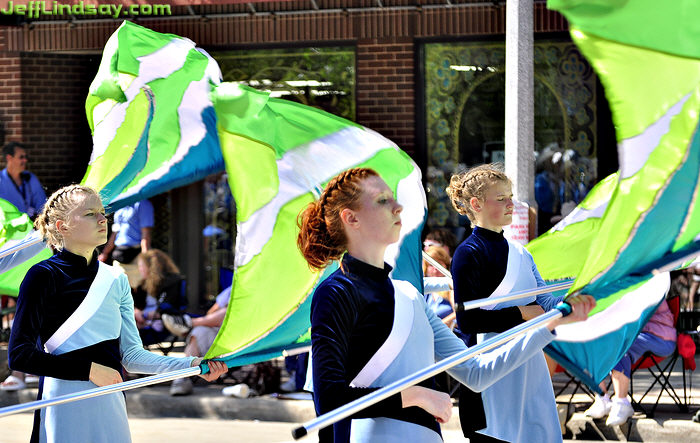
279, 155
152, 89
648, 214
16, 231
151, 116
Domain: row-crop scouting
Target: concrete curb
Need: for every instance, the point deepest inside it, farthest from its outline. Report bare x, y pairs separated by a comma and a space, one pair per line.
638, 428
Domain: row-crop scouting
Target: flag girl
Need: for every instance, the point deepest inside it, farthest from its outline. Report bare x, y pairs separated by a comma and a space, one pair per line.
520, 406
74, 326
368, 330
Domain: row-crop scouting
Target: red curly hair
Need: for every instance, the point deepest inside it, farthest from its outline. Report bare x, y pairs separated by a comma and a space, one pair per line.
321, 236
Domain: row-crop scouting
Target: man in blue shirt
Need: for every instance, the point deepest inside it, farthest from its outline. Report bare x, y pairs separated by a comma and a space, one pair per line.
21, 188
17, 185
131, 235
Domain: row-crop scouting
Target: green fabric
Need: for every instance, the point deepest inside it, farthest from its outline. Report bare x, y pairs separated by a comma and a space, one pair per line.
108, 166
252, 172
272, 121
15, 225
627, 71
638, 194
667, 26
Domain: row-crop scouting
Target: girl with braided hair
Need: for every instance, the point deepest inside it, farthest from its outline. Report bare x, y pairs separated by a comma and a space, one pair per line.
368, 330
520, 406
74, 325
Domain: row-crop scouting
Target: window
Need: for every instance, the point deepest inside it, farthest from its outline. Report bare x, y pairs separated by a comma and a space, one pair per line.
464, 115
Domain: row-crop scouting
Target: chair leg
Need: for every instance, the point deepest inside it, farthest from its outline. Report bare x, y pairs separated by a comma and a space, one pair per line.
664, 385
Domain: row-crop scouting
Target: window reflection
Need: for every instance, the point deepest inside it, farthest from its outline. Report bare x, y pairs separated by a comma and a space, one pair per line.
465, 108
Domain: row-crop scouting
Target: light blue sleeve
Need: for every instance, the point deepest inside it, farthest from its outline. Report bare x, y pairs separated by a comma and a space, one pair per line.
483, 370
547, 301
135, 358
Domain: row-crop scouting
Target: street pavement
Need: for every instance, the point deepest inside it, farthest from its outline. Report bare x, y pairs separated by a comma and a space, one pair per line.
209, 416
190, 430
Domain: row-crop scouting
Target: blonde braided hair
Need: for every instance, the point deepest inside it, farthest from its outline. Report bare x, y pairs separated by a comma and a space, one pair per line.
473, 182
58, 207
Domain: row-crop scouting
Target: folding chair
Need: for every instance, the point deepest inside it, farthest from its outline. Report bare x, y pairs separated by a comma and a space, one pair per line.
169, 342
661, 368
577, 384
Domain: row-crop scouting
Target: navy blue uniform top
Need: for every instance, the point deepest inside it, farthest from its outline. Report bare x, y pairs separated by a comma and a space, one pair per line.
478, 267
352, 313
50, 292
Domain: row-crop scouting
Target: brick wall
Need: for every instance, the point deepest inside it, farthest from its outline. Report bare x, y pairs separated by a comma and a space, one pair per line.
42, 105
54, 88
11, 93
385, 89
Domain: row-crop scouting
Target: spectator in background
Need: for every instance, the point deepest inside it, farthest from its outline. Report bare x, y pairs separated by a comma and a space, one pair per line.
200, 333
17, 185
131, 235
21, 188
439, 299
694, 278
160, 292
442, 237
657, 336
546, 191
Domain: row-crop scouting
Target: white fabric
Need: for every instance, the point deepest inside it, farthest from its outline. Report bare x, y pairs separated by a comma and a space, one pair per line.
516, 262
404, 293
626, 310
635, 151
105, 278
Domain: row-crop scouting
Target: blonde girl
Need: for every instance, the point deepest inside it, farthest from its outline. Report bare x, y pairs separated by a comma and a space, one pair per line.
520, 407
75, 327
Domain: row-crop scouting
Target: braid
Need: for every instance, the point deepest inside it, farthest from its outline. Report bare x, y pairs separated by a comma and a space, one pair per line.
321, 234
58, 207
473, 183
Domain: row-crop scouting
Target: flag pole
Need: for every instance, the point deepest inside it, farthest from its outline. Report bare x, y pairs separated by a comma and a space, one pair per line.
357, 405
467, 305
102, 390
436, 265
18, 247
513, 296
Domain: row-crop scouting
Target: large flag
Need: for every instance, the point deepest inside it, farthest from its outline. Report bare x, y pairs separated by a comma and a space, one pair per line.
16, 231
652, 216
152, 120
278, 156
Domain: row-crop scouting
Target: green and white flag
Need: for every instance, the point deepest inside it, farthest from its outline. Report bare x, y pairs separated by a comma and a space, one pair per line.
647, 56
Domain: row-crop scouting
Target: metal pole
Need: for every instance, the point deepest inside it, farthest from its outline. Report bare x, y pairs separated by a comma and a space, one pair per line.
410, 380
20, 246
296, 351
436, 265
103, 390
513, 296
